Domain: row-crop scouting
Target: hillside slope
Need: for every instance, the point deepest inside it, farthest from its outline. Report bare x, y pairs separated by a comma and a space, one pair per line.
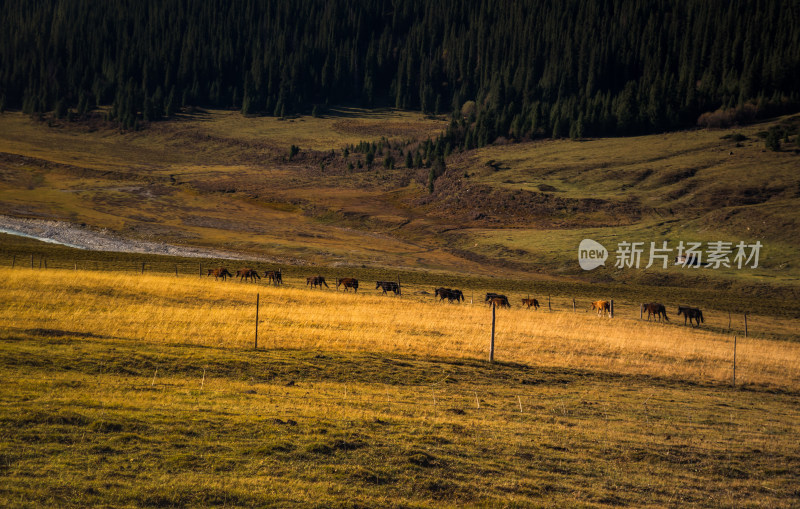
218, 179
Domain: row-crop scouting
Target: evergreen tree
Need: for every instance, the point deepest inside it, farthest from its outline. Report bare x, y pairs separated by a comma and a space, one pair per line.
773, 139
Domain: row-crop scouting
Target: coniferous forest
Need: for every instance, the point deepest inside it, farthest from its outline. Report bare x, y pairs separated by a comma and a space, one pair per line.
515, 69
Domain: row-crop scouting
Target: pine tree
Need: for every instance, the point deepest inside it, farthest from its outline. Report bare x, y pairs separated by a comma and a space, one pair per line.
418, 160
170, 107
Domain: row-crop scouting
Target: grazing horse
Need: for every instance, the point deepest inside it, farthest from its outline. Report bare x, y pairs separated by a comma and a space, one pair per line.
531, 302
348, 282
655, 309
602, 307
247, 275
449, 294
499, 301
221, 272
455, 295
492, 295
274, 276
315, 281
690, 314
388, 286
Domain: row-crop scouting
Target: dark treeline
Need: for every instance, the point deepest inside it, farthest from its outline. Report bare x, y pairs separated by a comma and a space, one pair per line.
515, 69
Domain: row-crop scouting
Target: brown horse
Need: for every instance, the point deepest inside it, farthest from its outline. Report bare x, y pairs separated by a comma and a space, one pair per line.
500, 301
221, 272
492, 295
691, 314
655, 309
531, 302
274, 276
247, 275
388, 286
315, 281
602, 307
347, 282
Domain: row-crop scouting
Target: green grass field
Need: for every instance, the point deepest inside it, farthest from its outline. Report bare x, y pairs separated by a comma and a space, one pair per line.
91, 422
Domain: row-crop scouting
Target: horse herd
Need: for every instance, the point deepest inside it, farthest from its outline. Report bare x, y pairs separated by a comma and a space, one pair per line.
602, 307
654, 309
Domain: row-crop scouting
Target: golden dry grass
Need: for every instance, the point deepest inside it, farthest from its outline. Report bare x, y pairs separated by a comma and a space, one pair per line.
188, 310
128, 390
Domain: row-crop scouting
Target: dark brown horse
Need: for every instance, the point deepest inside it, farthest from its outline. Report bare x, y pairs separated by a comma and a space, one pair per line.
530, 302
388, 286
449, 294
347, 282
221, 272
655, 309
691, 314
247, 275
315, 281
274, 276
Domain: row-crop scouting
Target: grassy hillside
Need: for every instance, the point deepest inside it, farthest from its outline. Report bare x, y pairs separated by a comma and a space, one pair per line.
124, 389
702, 185
219, 179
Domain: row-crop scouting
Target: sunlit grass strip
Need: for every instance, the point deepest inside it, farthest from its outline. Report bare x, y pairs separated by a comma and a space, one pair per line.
164, 309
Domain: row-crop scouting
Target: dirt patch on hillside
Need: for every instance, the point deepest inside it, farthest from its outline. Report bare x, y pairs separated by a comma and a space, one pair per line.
481, 205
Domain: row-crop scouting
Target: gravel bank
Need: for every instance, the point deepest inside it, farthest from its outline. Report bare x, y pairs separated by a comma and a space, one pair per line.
81, 237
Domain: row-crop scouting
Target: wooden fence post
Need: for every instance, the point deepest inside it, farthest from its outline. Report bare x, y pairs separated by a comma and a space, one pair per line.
573, 305
729, 320
13, 261
142, 267
734, 361
200, 274
491, 345
176, 270
76, 264
399, 290
641, 311
745, 325
31, 261
258, 297
45, 263
548, 304
612, 308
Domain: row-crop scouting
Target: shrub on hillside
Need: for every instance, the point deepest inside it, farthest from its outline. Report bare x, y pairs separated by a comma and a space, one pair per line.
726, 117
